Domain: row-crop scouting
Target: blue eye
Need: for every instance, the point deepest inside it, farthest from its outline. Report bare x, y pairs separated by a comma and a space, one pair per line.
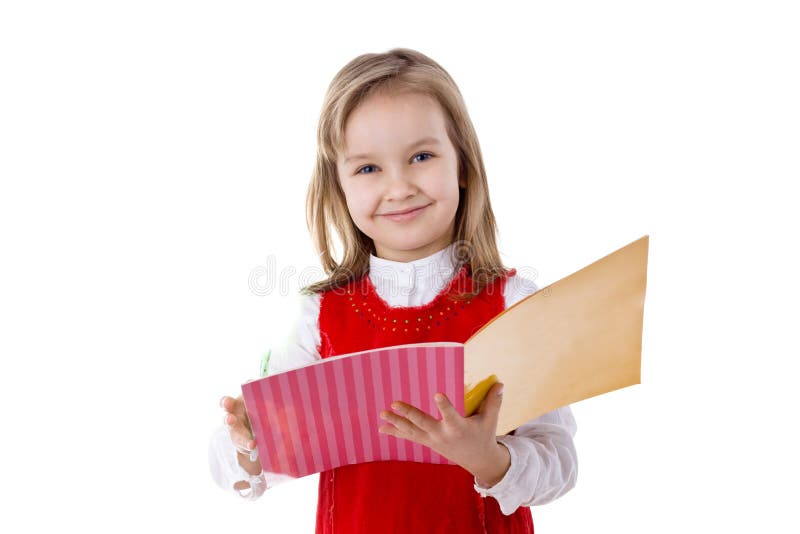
362, 168
416, 156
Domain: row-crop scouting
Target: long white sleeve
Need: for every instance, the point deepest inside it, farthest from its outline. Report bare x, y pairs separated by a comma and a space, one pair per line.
297, 349
543, 458
544, 463
225, 468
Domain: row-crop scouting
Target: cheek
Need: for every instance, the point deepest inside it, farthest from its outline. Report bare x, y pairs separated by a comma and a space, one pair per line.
445, 191
360, 203
443, 182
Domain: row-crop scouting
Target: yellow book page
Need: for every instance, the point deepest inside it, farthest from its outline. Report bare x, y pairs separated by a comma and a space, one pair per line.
574, 339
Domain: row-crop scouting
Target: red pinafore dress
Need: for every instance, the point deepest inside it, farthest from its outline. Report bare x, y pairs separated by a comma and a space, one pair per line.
403, 496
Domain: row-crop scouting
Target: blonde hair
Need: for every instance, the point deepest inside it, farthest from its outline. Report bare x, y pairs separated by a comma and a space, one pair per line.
475, 229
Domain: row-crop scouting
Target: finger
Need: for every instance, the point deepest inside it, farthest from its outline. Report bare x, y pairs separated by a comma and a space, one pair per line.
241, 485
240, 435
401, 424
242, 412
446, 408
390, 430
233, 405
490, 405
242, 442
402, 428
237, 408
415, 416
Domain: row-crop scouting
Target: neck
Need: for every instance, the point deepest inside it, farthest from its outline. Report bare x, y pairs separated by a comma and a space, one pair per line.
412, 254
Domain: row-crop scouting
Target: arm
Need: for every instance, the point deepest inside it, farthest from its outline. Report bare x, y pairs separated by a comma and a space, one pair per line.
297, 349
226, 471
542, 461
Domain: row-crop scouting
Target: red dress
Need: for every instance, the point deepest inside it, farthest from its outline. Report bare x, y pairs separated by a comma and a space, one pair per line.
403, 496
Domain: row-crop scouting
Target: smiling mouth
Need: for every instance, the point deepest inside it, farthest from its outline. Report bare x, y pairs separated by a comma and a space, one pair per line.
406, 211
405, 215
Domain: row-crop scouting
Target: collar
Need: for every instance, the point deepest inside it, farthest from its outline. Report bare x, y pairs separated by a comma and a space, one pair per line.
435, 269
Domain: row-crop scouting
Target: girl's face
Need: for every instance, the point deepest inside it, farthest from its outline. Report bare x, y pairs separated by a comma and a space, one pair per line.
398, 157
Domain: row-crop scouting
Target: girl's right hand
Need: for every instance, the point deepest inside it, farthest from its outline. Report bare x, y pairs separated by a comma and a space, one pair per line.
238, 426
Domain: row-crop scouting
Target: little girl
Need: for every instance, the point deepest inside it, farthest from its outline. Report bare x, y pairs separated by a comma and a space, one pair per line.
399, 176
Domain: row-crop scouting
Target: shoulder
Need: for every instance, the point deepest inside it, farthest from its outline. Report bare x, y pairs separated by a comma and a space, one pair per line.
304, 308
299, 346
307, 313
517, 287
308, 304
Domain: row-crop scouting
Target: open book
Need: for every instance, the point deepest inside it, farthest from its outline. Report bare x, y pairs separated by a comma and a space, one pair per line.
569, 341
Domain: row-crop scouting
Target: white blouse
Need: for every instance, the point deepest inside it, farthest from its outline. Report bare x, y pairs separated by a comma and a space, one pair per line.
544, 463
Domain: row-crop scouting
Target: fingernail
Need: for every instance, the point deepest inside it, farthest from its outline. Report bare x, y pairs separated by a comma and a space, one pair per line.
222, 402
500, 389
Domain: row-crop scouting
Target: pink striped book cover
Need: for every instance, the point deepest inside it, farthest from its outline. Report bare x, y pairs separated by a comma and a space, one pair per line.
327, 414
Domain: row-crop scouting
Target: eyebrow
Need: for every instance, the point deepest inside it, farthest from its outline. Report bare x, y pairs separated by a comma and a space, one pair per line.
423, 141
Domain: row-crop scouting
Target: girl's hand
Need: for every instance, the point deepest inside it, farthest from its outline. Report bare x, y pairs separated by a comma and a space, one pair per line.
238, 425
468, 441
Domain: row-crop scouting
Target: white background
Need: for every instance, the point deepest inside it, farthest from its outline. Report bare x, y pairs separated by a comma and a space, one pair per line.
153, 154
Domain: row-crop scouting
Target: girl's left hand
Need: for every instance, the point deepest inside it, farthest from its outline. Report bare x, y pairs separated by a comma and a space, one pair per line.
468, 441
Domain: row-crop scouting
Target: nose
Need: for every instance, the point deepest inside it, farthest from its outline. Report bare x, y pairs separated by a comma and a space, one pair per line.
400, 185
